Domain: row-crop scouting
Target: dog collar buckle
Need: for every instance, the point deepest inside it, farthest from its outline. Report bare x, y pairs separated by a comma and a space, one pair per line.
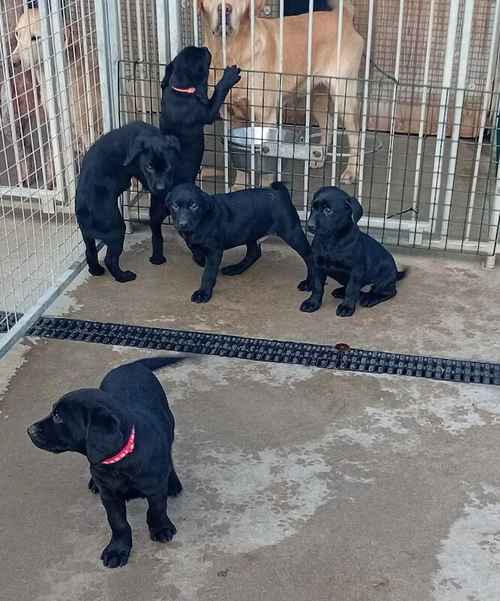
126, 450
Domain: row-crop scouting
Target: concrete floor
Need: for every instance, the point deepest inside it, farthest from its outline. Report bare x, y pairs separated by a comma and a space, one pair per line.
300, 483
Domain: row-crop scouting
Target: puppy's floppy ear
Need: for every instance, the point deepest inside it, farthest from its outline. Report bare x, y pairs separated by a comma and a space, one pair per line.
168, 74
356, 208
104, 436
136, 147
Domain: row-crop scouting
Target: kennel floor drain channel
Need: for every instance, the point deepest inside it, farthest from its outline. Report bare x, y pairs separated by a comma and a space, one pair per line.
340, 356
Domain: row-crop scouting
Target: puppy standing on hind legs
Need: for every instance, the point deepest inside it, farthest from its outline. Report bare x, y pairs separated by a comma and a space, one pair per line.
135, 150
185, 110
351, 257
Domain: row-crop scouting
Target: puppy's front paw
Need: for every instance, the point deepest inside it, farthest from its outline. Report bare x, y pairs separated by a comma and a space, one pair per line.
115, 556
201, 296
344, 310
93, 487
310, 305
97, 270
126, 276
157, 260
305, 285
165, 534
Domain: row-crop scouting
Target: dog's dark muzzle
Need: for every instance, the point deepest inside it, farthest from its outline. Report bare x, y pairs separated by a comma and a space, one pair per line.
38, 439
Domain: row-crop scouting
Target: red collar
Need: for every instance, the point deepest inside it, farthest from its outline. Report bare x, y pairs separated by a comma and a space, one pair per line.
126, 450
185, 90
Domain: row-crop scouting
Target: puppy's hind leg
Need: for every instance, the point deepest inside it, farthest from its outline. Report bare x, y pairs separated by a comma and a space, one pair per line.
157, 213
161, 528
174, 484
380, 292
92, 258
253, 254
296, 238
112, 260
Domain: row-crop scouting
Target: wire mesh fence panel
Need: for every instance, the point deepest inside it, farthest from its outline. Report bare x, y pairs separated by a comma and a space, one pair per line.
403, 210
51, 112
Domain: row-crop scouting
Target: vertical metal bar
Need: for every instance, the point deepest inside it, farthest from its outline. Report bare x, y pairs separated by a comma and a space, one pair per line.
108, 46
366, 86
50, 91
162, 32
423, 110
195, 22
280, 89
174, 28
225, 116
140, 56
487, 96
457, 113
335, 128
390, 153
63, 101
495, 216
252, 92
309, 89
443, 111
90, 117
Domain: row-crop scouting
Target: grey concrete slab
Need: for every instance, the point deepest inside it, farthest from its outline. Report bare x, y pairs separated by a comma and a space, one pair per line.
300, 483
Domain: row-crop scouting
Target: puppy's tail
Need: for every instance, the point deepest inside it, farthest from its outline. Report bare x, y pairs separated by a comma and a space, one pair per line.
402, 274
154, 363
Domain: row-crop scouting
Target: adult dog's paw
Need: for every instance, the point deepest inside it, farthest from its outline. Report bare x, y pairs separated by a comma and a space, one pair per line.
310, 305
164, 535
344, 310
201, 296
157, 260
115, 556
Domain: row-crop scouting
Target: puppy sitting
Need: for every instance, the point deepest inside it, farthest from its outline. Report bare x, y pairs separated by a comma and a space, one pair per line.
126, 430
185, 110
212, 224
351, 257
135, 150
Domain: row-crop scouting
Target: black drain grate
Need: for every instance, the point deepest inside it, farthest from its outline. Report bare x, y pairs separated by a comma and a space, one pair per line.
340, 356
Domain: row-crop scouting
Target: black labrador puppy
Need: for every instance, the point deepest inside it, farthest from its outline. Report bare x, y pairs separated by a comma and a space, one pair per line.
342, 251
126, 430
135, 150
185, 110
212, 224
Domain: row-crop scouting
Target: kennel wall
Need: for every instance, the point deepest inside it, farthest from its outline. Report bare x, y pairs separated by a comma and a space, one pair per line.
55, 77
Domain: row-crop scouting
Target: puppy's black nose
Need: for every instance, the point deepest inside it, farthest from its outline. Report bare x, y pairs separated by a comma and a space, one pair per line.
32, 430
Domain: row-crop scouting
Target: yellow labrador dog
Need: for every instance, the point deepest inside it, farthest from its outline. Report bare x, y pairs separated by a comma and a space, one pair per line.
83, 89
266, 61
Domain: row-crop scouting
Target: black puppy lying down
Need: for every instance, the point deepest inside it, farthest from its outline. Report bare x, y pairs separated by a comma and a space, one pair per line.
351, 257
134, 150
185, 110
212, 224
126, 430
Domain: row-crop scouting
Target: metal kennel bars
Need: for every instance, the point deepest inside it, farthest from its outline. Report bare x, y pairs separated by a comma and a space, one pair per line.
427, 169
428, 91
56, 91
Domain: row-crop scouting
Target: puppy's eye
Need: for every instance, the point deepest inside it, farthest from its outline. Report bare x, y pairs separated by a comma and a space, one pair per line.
149, 167
193, 206
56, 418
327, 211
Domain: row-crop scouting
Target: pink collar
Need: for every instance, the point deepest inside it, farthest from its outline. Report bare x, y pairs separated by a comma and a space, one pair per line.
185, 90
126, 450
